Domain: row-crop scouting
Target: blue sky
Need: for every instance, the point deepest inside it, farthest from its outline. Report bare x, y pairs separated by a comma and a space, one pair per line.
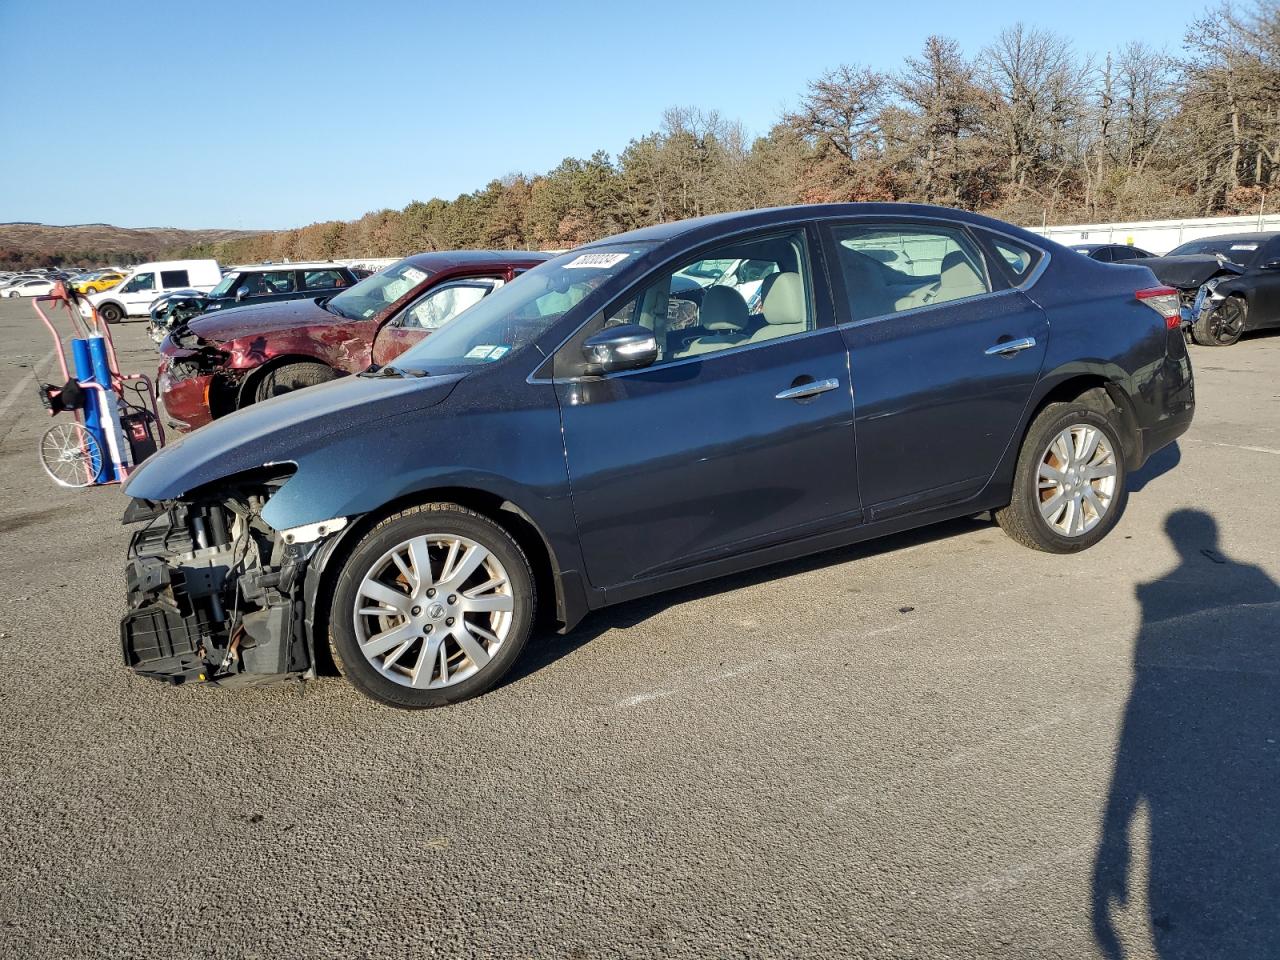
280, 113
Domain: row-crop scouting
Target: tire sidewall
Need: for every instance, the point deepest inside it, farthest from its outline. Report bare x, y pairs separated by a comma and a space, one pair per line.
430, 520
1029, 476
110, 313
1203, 328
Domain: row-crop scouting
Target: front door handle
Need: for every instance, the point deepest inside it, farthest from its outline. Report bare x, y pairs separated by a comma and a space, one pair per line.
1008, 348
803, 390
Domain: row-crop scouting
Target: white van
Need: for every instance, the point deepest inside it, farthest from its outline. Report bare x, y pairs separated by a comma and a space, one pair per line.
136, 292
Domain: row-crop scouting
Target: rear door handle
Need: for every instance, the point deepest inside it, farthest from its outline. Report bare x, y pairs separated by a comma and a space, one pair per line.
1009, 347
810, 389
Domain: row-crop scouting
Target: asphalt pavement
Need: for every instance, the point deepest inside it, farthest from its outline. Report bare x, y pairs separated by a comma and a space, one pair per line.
938, 745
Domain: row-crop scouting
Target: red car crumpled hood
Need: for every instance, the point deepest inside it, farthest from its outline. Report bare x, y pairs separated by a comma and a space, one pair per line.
265, 318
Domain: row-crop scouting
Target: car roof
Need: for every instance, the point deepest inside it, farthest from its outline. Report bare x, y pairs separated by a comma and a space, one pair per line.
448, 259
292, 265
720, 223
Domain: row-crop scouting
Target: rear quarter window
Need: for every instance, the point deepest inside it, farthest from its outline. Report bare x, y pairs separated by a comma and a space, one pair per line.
174, 278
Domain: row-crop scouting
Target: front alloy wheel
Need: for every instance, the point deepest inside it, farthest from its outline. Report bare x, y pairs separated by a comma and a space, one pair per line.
433, 607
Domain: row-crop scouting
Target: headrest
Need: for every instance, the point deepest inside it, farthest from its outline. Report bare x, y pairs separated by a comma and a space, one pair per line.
955, 259
784, 303
723, 309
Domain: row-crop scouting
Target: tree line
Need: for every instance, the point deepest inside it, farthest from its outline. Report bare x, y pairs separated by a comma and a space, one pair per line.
1025, 129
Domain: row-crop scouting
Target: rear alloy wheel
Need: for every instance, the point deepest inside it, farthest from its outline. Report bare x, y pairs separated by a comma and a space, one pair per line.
290, 377
433, 607
1222, 326
110, 313
1070, 487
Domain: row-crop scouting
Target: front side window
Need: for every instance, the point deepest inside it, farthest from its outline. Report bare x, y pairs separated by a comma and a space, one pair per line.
445, 302
143, 281
891, 268
226, 284
745, 293
372, 295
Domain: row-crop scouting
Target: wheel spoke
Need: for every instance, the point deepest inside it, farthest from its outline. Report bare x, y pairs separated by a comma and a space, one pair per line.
421, 559
1090, 444
465, 567
1101, 472
1048, 473
380, 643
472, 647
488, 603
424, 670
1091, 496
397, 601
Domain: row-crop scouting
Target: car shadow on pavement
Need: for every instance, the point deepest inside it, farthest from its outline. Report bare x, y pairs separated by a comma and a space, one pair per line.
546, 647
1160, 463
1199, 752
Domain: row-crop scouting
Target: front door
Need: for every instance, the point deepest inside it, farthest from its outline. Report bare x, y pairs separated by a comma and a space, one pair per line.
944, 354
137, 293
740, 436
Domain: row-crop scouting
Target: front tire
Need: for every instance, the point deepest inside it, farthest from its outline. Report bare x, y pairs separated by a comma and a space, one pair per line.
1222, 326
290, 377
1070, 486
111, 313
433, 607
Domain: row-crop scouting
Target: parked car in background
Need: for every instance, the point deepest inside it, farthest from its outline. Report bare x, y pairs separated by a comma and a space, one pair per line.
1230, 284
145, 282
98, 282
37, 287
1111, 252
560, 443
251, 286
225, 361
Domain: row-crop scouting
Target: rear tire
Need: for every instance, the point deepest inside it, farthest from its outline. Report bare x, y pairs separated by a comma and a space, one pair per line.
420, 620
110, 313
1222, 326
1070, 486
289, 377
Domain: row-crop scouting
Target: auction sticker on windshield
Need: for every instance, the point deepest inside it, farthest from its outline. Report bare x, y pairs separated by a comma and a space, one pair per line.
413, 275
487, 351
595, 261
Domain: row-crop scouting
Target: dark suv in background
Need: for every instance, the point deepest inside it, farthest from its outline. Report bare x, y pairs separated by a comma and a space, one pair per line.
249, 285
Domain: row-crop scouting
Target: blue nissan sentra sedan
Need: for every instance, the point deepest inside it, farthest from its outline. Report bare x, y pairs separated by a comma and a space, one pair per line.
657, 408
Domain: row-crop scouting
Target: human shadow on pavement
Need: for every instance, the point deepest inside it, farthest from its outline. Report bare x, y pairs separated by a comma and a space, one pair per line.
1200, 750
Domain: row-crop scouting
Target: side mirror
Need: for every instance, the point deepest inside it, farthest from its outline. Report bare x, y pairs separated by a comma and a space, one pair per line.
628, 346
1271, 265
241, 294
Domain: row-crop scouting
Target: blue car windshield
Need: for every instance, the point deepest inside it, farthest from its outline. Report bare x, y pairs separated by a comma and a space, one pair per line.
520, 312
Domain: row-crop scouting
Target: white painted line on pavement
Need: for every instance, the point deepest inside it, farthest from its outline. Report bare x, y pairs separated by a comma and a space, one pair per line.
15, 391
1235, 446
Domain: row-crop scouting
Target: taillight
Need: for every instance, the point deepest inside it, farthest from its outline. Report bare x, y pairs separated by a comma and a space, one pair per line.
1164, 301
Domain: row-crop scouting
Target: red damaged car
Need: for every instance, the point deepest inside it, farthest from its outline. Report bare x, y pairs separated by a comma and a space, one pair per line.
224, 361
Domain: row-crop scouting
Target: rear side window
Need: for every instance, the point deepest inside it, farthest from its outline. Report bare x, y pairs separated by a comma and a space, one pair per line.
1017, 260
170, 279
322, 279
889, 268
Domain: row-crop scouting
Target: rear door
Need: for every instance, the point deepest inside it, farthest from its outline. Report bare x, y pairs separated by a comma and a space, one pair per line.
944, 351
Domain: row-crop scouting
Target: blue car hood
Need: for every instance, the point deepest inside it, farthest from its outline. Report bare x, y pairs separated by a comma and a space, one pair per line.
280, 430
